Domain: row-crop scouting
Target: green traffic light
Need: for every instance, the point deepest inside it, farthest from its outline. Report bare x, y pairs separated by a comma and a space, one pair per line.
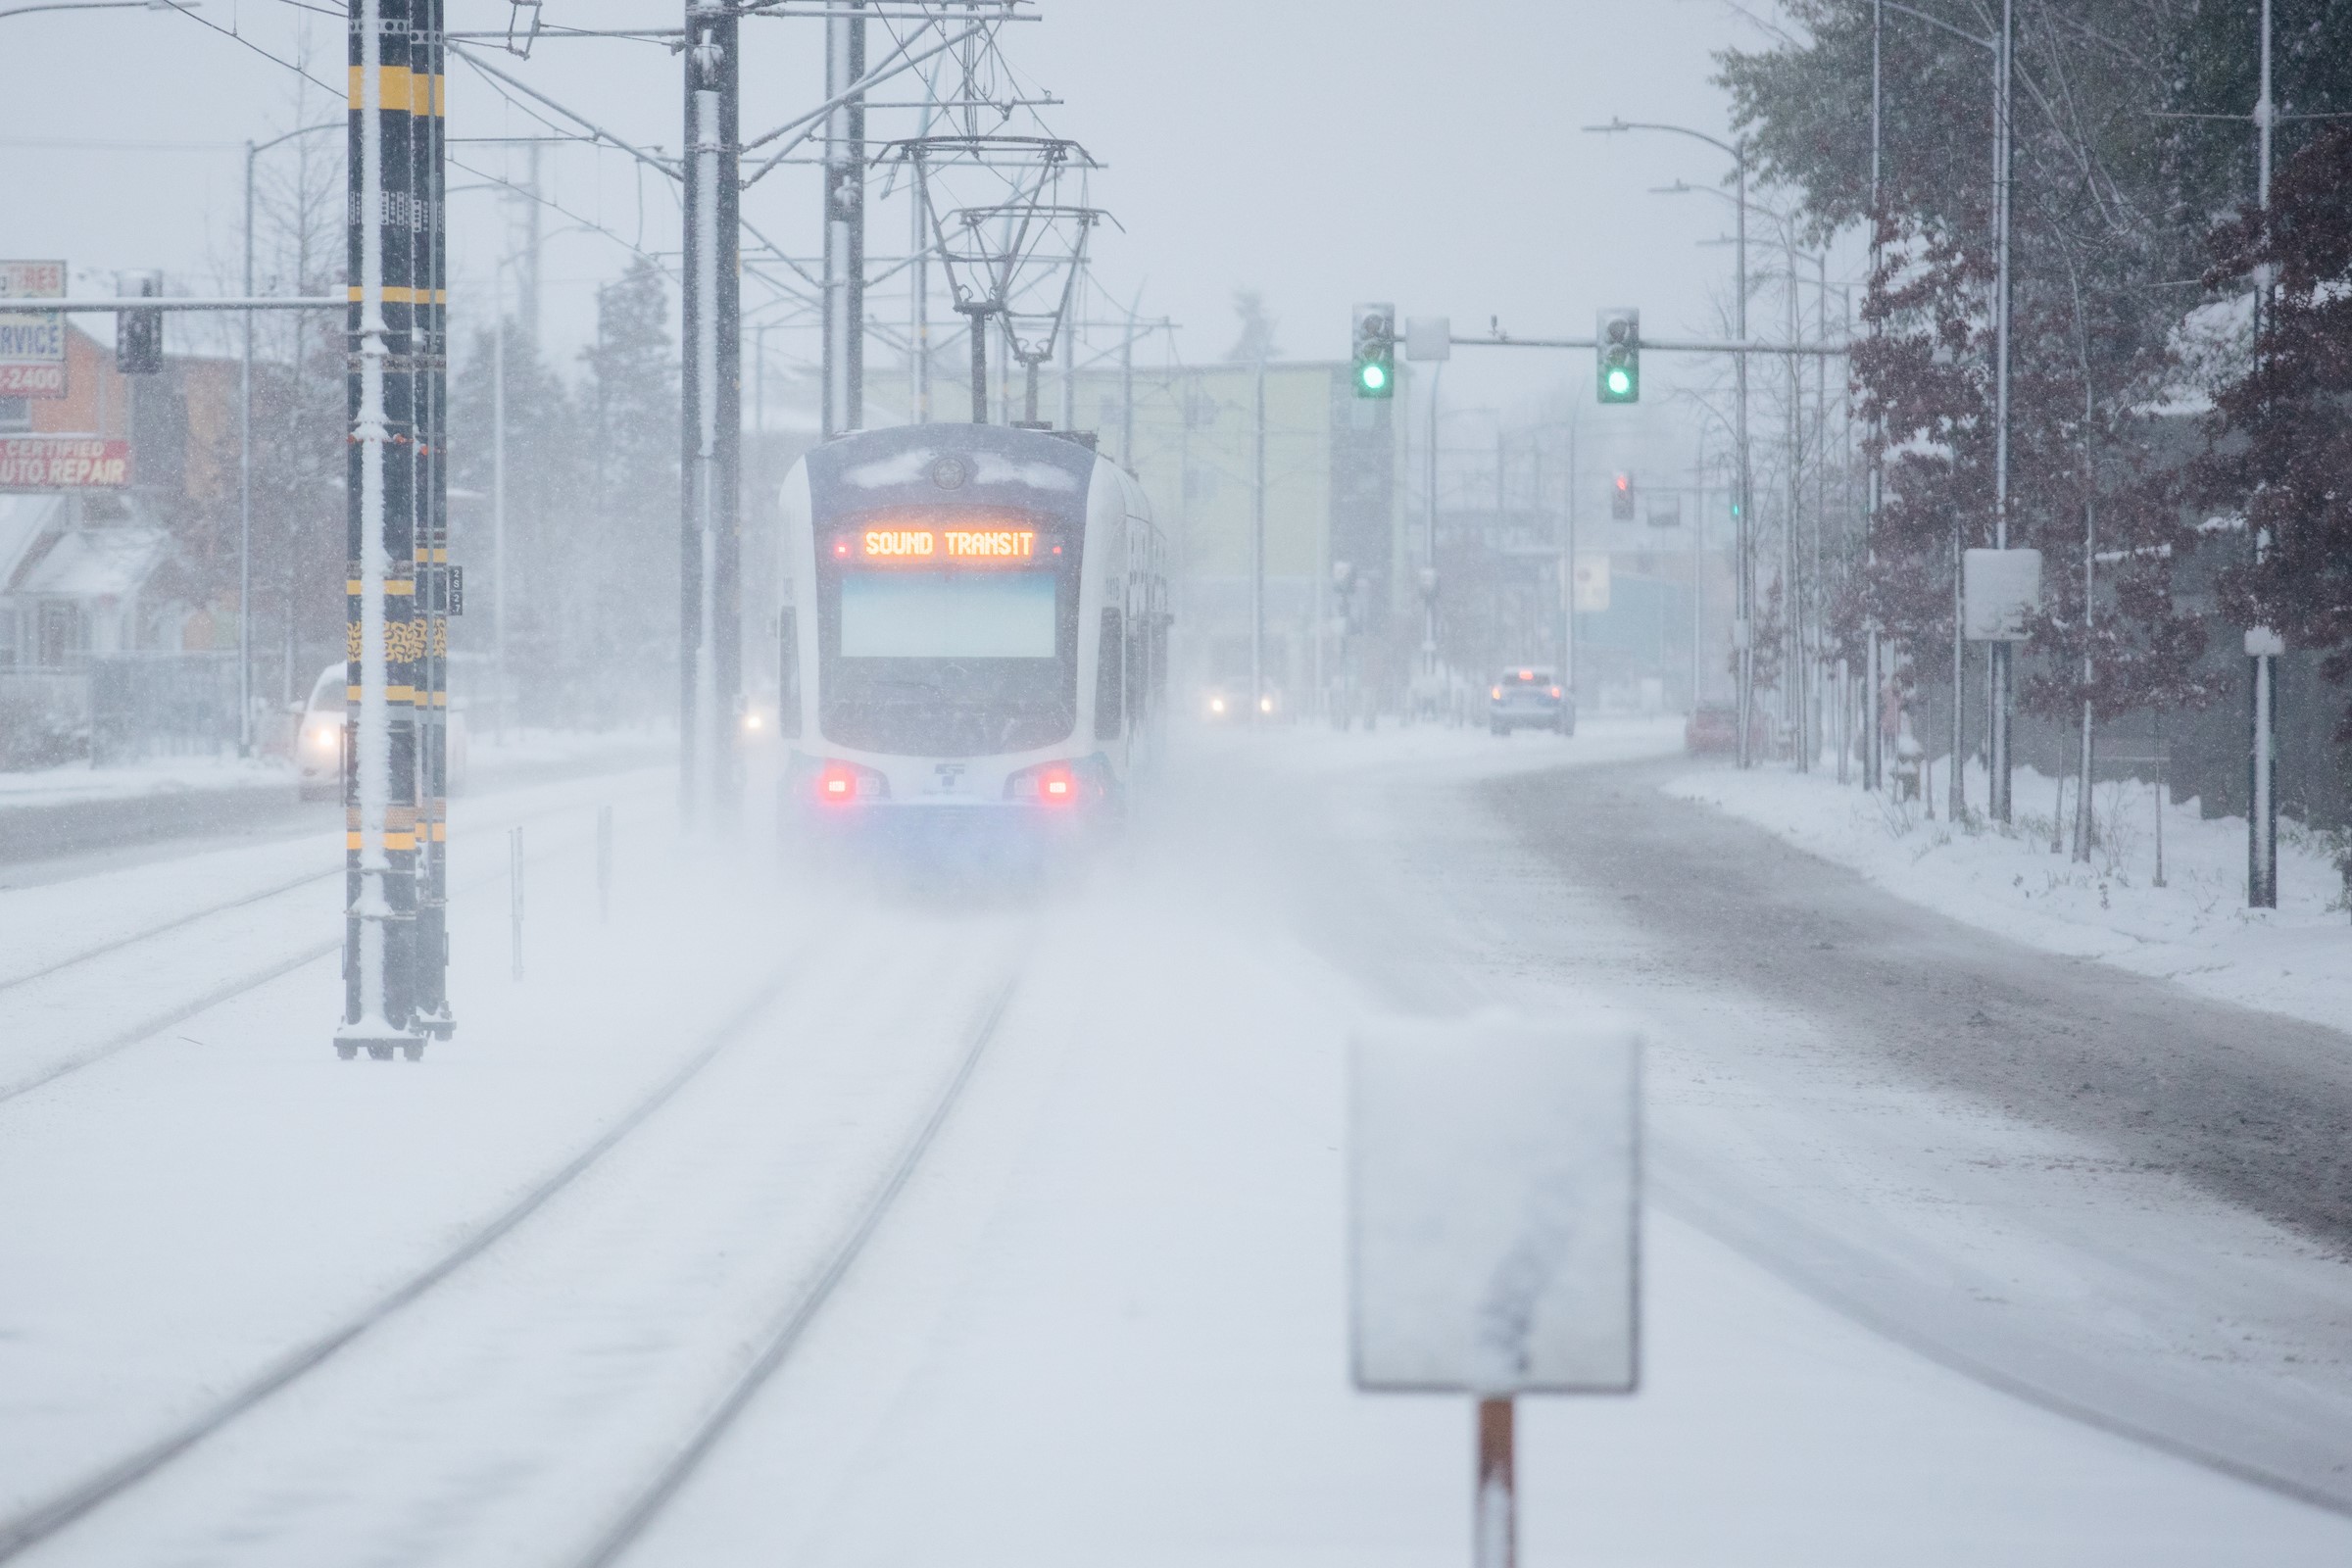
1373, 376
1619, 384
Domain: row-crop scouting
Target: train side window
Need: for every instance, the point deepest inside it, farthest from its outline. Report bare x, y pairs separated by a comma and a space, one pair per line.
788, 675
1110, 686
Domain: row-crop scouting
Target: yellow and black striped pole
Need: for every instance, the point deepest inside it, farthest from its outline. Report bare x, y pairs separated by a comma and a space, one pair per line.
384, 632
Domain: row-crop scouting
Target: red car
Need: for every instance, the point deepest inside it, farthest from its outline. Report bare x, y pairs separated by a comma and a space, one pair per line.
1713, 729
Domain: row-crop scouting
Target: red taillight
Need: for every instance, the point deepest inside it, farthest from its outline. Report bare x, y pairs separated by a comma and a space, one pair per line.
1555, 691
1055, 784
1527, 674
837, 783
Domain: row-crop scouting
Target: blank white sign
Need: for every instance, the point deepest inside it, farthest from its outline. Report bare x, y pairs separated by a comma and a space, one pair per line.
1494, 1187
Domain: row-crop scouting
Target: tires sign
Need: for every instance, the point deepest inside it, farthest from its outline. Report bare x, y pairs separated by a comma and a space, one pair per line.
32, 343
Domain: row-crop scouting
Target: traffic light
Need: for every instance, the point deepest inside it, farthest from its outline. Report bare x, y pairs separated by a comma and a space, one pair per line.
1621, 499
139, 337
1617, 356
1374, 341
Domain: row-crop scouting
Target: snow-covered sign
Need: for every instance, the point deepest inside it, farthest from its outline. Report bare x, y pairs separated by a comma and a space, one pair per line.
1494, 1183
2001, 591
32, 343
1592, 592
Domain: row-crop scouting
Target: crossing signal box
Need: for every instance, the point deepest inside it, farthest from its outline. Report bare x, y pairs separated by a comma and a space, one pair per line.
1374, 347
1617, 339
1621, 499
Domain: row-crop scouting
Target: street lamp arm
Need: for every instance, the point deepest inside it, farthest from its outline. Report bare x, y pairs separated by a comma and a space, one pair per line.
1739, 150
96, 5
251, 148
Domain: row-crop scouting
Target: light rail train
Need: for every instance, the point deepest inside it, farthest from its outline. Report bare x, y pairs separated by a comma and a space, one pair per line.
973, 641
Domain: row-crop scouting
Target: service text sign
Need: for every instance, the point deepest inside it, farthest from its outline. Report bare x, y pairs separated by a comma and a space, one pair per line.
1493, 1190
32, 343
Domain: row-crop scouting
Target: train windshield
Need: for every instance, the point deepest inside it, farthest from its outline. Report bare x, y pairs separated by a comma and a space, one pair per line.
948, 641
947, 614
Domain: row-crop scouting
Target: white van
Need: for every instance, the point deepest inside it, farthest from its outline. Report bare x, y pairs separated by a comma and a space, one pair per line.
319, 739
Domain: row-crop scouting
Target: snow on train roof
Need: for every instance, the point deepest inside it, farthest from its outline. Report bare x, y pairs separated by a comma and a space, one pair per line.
987, 467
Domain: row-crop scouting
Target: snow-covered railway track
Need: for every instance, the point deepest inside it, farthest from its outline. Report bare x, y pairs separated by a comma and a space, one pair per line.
794, 1054
38, 1524
784, 1333
40, 1008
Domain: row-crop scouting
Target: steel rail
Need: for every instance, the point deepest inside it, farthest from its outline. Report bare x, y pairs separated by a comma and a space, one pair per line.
785, 1333
44, 1520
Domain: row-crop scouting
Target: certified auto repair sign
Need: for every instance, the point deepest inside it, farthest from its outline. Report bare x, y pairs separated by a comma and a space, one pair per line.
32, 343
63, 463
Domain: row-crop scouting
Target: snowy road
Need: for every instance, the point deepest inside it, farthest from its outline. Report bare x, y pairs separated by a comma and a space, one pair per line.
1908, 1289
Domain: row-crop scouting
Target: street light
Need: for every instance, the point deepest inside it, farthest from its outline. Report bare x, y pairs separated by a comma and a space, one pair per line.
100, 5
1742, 620
253, 150
2002, 148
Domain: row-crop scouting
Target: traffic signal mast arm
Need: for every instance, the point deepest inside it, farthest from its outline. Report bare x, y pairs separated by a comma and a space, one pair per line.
1661, 345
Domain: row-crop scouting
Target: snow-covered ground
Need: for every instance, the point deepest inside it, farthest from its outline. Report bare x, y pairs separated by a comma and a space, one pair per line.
70, 782
492, 757
2194, 929
1105, 1323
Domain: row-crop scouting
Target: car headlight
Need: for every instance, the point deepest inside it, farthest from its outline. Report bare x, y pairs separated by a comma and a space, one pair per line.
1216, 705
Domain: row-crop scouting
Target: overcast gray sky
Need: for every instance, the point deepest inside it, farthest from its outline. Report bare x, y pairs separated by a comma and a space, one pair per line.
1323, 151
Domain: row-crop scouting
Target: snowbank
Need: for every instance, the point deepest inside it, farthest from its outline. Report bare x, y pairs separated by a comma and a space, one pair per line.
2194, 928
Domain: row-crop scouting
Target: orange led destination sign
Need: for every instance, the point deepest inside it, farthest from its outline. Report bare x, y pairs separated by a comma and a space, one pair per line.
944, 544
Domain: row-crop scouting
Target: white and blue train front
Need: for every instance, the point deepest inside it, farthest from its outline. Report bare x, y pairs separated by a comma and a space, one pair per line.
973, 643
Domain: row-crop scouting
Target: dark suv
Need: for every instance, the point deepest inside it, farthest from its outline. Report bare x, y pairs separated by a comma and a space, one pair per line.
1530, 697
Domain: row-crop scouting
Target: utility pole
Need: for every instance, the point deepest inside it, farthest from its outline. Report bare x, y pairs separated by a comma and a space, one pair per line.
712, 391
379, 771
919, 250
1257, 560
1568, 560
1429, 540
498, 499
845, 223
245, 490
1127, 390
528, 308
1997, 743
1743, 534
1793, 615
1874, 745
2264, 645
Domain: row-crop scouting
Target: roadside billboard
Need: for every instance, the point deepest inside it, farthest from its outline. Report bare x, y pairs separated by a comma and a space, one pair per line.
32, 343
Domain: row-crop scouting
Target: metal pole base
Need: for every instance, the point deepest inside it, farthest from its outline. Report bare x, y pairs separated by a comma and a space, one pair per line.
378, 1043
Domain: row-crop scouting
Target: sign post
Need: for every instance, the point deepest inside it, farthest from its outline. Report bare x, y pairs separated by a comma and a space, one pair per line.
1494, 1195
